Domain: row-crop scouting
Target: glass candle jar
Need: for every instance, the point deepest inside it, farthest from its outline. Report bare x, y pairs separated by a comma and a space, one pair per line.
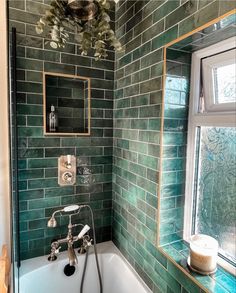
203, 253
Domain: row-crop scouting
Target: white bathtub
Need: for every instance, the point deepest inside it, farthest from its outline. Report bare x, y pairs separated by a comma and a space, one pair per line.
38, 275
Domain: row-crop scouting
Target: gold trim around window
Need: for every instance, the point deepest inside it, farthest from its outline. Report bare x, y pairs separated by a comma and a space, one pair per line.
161, 140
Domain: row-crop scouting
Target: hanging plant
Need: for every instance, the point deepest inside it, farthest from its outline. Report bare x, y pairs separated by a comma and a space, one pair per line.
90, 21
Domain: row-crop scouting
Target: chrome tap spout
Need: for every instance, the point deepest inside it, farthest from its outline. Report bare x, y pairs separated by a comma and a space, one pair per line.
72, 256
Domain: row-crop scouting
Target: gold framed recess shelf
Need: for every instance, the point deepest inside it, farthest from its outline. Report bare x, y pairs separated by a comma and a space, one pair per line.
71, 104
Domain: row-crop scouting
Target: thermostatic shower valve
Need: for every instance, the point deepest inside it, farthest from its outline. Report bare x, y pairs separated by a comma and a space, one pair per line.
66, 170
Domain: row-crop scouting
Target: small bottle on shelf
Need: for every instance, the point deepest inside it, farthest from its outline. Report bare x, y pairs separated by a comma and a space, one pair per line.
52, 120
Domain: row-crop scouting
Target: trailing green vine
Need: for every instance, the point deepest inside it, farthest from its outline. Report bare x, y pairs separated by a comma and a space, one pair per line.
95, 34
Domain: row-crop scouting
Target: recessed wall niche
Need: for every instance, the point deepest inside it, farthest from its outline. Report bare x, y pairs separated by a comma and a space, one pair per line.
66, 104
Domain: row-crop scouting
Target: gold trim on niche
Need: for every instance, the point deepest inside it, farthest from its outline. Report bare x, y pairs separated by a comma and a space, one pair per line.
161, 141
44, 105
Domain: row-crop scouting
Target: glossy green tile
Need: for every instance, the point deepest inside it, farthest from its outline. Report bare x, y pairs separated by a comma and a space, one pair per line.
125, 60
208, 13
143, 25
148, 161
31, 194
154, 30
174, 139
151, 85
182, 12
149, 111
34, 120
169, 178
172, 190
123, 103
137, 169
135, 145
151, 58
42, 163
34, 98
140, 100
152, 175
42, 55
60, 68
136, 42
42, 183
57, 152
39, 203
165, 37
180, 56
30, 131
139, 124
43, 142
186, 282
142, 50
131, 90
31, 215
30, 109
28, 174
29, 235
123, 143
24, 63
165, 9
17, 4
34, 76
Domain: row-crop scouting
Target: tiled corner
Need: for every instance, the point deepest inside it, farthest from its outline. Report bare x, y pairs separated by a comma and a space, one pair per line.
137, 125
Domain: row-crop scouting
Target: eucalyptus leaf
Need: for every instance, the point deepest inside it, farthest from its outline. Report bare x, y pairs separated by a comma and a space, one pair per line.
106, 17
39, 30
95, 34
53, 45
42, 21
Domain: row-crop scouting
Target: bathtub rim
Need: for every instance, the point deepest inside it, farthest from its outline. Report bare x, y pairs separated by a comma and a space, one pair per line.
28, 266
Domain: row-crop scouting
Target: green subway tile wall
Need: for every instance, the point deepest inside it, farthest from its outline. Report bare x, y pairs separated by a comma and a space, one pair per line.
40, 193
125, 129
144, 27
177, 85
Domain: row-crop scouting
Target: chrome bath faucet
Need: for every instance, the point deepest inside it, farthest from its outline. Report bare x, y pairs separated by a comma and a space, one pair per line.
70, 239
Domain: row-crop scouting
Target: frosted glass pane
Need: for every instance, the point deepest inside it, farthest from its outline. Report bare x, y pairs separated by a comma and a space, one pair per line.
216, 190
225, 84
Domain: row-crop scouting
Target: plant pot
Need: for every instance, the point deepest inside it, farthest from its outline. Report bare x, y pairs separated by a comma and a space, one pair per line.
83, 9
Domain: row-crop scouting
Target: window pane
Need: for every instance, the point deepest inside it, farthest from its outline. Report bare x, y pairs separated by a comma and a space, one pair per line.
225, 84
216, 190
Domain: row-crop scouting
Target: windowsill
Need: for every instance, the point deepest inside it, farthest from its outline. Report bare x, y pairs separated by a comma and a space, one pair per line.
221, 281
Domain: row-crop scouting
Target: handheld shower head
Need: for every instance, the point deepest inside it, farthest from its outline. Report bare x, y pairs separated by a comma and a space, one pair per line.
71, 208
52, 223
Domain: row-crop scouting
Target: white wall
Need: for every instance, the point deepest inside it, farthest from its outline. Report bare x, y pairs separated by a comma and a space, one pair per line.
4, 142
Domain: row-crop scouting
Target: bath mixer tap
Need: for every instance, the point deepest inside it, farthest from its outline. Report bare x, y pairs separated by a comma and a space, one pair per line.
69, 239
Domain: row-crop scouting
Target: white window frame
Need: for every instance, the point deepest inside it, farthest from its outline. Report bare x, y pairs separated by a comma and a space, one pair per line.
208, 66
219, 118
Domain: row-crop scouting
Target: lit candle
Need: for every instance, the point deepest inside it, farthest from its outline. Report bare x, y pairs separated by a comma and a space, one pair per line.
203, 253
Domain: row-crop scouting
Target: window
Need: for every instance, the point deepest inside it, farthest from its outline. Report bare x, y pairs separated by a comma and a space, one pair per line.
210, 206
218, 81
